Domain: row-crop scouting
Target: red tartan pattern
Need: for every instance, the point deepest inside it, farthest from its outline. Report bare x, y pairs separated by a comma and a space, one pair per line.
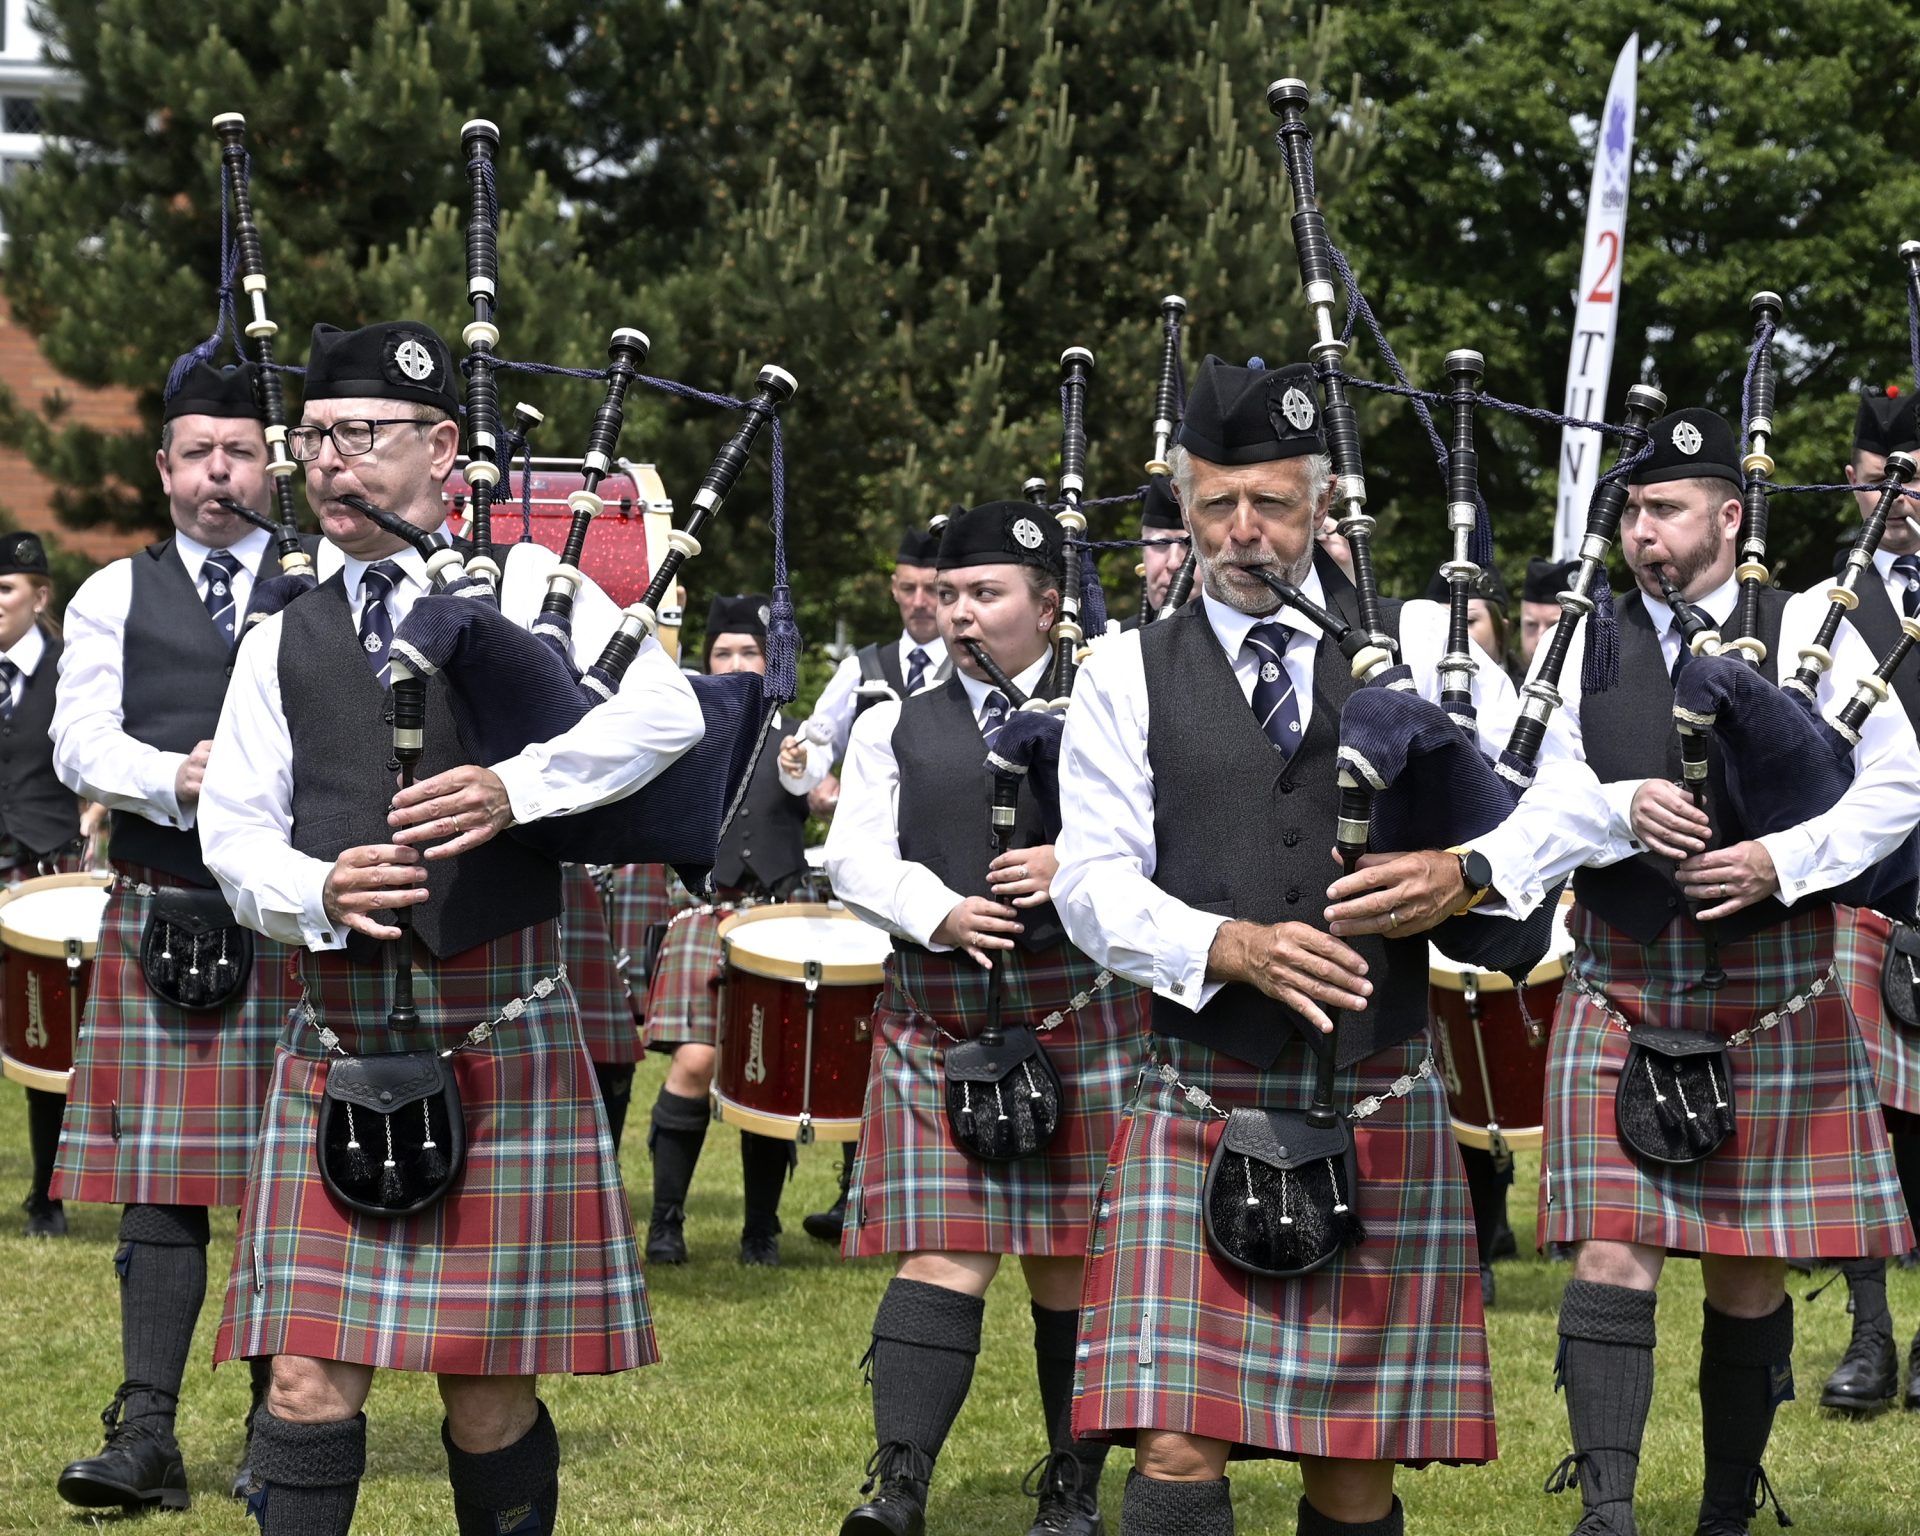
913, 1190
683, 1002
1382, 1355
607, 1023
165, 1105
636, 897
529, 1264
1860, 947
1808, 1172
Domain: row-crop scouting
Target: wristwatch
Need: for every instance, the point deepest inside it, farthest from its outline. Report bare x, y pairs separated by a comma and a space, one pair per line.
1476, 874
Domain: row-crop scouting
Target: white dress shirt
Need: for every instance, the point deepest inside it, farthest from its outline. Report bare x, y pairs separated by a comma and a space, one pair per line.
863, 845
1869, 820
26, 654
92, 754
1105, 892
246, 816
840, 700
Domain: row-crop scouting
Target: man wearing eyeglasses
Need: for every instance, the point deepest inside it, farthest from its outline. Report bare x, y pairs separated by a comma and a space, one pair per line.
525, 1262
164, 1107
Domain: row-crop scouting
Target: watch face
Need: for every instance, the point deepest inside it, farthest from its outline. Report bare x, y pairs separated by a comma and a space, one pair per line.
1476, 871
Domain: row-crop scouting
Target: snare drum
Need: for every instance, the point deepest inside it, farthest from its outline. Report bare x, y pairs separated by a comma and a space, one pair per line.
1493, 1053
799, 986
50, 928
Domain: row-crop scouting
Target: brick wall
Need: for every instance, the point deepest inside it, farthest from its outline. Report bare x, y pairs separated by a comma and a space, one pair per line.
25, 494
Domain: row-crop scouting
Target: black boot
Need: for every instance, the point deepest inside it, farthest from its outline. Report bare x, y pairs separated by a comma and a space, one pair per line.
766, 1163
309, 1475
260, 1377
1153, 1508
514, 1491
925, 1338
1868, 1375
827, 1225
678, 1133
1606, 1367
138, 1468
1746, 1372
1066, 1480
46, 1216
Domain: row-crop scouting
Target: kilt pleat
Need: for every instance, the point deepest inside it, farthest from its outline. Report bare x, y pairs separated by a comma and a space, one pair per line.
528, 1266
635, 897
683, 1001
912, 1189
1381, 1355
607, 1024
1860, 939
164, 1107
1809, 1171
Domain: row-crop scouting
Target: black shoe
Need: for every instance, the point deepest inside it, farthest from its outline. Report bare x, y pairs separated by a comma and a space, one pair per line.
667, 1235
1868, 1376
761, 1249
1594, 1523
138, 1468
827, 1225
1737, 1521
45, 1218
1912, 1400
898, 1506
1559, 1253
1503, 1244
1487, 1285
1067, 1507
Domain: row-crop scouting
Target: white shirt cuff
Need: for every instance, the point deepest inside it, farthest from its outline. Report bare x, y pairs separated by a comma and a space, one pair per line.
158, 779
1180, 966
1795, 860
316, 928
1619, 798
924, 907
527, 796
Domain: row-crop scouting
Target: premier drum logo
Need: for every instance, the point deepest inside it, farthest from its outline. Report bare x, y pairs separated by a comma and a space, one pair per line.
756, 1068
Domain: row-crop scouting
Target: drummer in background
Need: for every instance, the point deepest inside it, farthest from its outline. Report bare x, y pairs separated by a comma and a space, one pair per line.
1166, 548
637, 902
39, 816
761, 858
164, 1108
910, 851
1540, 603
874, 673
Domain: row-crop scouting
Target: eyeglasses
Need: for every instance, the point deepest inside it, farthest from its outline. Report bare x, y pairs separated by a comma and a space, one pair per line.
350, 438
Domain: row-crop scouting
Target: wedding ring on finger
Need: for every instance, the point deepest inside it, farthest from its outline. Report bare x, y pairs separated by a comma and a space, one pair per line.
1393, 918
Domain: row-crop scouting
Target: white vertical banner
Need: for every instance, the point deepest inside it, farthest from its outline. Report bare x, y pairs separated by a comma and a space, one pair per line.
1597, 312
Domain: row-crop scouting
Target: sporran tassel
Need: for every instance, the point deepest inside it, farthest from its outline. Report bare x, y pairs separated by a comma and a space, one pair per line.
356, 1167
432, 1164
393, 1190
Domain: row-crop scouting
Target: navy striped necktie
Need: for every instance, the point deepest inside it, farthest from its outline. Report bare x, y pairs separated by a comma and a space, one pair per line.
218, 571
376, 618
993, 715
1907, 568
1274, 704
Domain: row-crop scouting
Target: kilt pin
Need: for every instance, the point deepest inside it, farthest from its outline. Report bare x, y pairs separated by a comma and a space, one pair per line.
527, 1267
1381, 1355
607, 1023
912, 1189
1860, 938
1809, 1170
165, 1105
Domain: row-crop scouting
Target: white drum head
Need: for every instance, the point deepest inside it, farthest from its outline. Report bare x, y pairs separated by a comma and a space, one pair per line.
793, 941
51, 917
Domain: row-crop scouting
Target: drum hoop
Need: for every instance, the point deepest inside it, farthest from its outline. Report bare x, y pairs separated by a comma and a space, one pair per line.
831, 975
1519, 1138
46, 1079
783, 1127
49, 949
1553, 968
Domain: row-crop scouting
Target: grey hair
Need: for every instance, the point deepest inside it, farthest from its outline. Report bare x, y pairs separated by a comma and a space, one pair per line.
166, 437
1180, 470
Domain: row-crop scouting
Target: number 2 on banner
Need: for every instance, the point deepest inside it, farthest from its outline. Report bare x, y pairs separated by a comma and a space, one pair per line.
1602, 286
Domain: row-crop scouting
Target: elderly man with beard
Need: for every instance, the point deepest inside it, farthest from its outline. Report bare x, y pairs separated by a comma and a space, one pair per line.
1681, 923
1199, 801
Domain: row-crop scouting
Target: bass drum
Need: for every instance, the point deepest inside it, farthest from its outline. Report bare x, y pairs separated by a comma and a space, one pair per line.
800, 982
1491, 1042
50, 929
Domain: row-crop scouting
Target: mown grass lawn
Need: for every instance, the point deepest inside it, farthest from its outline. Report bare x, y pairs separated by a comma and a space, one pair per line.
757, 1422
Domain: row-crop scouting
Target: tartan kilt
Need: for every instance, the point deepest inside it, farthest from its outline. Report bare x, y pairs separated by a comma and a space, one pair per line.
1381, 1355
528, 1266
607, 1024
683, 1000
1860, 947
164, 1107
1809, 1171
912, 1189
635, 897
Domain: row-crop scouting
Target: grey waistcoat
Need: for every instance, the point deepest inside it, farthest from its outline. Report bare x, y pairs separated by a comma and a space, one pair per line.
36, 810
767, 843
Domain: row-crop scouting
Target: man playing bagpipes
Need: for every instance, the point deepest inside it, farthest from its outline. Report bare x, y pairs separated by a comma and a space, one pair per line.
761, 858
1200, 809
975, 1143
1880, 979
163, 1113
434, 1189
1706, 1090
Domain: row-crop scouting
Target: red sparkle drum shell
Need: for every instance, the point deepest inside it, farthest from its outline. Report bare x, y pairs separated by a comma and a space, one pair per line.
793, 1058
1492, 1055
50, 929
